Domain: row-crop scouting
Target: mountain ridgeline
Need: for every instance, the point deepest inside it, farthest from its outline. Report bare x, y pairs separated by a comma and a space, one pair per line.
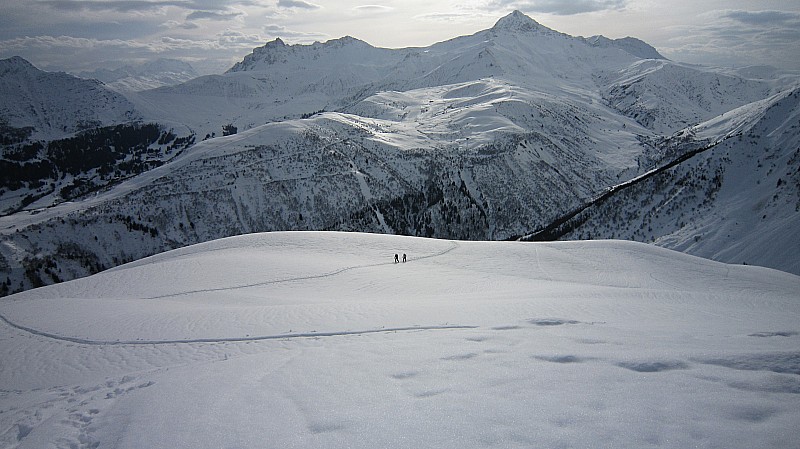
149, 75
517, 131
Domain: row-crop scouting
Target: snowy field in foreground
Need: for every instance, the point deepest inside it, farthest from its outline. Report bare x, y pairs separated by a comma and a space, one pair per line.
318, 340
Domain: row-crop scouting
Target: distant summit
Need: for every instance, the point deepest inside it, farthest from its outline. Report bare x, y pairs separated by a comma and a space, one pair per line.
517, 21
15, 64
634, 46
149, 75
344, 50
56, 104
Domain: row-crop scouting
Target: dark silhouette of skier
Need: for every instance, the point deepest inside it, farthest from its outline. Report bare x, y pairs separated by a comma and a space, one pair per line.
404, 257
396, 259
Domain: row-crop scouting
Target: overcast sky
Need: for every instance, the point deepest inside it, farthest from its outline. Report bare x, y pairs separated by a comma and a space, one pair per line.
75, 35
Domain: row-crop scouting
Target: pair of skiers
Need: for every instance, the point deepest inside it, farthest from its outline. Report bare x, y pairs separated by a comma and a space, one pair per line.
397, 259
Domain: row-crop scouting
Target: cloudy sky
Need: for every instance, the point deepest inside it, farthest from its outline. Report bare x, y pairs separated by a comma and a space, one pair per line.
76, 35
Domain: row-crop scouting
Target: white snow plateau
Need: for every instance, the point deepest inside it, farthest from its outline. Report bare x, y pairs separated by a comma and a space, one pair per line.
319, 339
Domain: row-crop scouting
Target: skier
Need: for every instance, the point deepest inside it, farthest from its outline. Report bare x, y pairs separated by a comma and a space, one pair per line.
396, 259
404, 257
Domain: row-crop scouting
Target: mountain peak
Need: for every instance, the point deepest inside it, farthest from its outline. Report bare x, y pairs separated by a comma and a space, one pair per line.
15, 64
344, 42
275, 44
517, 21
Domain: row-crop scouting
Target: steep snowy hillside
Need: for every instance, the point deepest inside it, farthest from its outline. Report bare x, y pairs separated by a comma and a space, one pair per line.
319, 339
279, 81
39, 174
667, 97
149, 75
738, 201
56, 105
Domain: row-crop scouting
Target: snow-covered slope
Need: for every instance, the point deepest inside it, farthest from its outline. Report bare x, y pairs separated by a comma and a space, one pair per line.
667, 97
276, 82
739, 201
634, 46
56, 104
320, 340
279, 81
148, 75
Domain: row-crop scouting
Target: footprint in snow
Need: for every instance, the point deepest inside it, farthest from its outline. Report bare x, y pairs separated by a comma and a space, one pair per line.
774, 334
561, 358
466, 356
654, 366
551, 321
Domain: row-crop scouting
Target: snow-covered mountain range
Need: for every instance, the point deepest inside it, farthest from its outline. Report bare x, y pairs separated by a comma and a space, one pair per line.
148, 75
55, 105
496, 135
737, 200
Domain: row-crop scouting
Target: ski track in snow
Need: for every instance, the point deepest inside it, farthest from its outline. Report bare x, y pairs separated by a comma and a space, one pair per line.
453, 245
84, 341
711, 362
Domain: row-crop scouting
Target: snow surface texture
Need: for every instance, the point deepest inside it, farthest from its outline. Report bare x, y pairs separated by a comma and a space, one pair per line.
312, 339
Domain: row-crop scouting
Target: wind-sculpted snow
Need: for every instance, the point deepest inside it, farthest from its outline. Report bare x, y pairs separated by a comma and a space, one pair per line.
318, 339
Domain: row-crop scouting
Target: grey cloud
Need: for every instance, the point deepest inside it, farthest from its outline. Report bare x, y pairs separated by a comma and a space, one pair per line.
182, 25
763, 17
559, 7
71, 53
373, 8
297, 4
274, 30
118, 6
447, 17
126, 6
211, 15
137, 26
757, 28
739, 37
237, 40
